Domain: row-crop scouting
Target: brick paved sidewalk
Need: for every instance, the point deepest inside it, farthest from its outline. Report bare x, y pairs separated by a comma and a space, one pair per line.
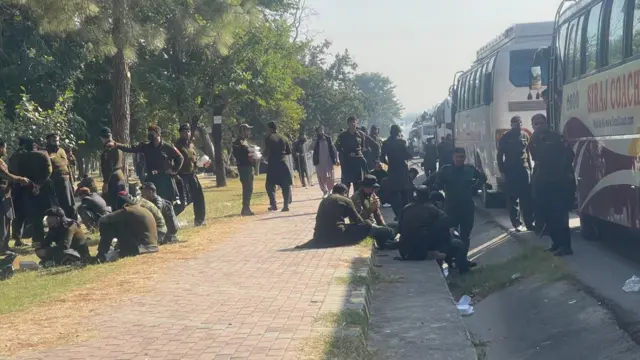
246, 299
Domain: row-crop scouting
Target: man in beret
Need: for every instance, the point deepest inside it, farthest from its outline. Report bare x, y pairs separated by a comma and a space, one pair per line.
163, 162
68, 238
188, 183
112, 164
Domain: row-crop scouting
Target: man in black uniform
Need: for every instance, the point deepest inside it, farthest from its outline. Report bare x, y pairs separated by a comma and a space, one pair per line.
276, 148
111, 166
191, 187
430, 163
554, 183
244, 161
350, 146
19, 195
6, 206
61, 176
460, 182
163, 162
445, 152
373, 155
299, 159
398, 185
40, 195
425, 232
92, 208
514, 163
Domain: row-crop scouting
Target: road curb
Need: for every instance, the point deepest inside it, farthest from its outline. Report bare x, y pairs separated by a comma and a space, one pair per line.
348, 295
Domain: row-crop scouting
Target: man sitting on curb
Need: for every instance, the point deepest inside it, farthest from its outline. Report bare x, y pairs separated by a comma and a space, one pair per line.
132, 225
331, 229
92, 208
367, 204
425, 232
70, 242
168, 213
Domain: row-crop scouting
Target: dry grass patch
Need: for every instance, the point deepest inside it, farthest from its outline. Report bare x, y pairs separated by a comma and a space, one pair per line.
50, 307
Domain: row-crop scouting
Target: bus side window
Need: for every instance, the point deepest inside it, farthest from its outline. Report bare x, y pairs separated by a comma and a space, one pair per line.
479, 84
480, 91
463, 90
571, 44
616, 44
577, 56
635, 36
488, 81
562, 46
592, 38
472, 89
468, 101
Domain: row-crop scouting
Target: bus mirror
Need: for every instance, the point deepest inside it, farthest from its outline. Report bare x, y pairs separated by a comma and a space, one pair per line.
536, 78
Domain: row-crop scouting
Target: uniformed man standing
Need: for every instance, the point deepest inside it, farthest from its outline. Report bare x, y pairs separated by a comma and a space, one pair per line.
514, 164
398, 184
41, 196
61, 176
430, 163
553, 183
373, 155
300, 160
350, 146
111, 166
19, 196
163, 162
244, 161
276, 148
460, 182
191, 187
445, 151
6, 205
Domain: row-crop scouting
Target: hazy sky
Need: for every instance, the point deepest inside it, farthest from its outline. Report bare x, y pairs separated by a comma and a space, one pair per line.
420, 44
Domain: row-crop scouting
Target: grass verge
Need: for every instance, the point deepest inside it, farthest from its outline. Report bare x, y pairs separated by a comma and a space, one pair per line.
48, 307
483, 281
343, 343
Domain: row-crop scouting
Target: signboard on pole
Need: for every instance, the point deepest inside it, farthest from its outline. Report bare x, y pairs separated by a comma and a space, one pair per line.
217, 119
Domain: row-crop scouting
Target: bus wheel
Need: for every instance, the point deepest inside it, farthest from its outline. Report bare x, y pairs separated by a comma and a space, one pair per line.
490, 199
590, 227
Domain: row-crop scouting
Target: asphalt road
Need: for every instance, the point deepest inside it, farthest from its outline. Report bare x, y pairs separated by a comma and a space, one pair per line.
589, 318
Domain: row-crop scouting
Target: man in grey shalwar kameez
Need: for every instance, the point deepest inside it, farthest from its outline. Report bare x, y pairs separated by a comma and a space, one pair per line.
324, 159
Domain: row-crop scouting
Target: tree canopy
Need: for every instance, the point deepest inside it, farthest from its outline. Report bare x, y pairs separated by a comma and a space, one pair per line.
74, 66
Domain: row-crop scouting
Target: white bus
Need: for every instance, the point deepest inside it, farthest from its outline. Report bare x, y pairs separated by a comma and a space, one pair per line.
444, 119
594, 85
491, 92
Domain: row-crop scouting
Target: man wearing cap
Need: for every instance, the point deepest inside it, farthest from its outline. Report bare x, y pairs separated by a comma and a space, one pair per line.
66, 234
367, 205
166, 209
88, 182
514, 164
191, 187
244, 161
425, 232
39, 195
132, 225
111, 166
92, 208
350, 145
398, 185
163, 162
276, 148
60, 176
6, 206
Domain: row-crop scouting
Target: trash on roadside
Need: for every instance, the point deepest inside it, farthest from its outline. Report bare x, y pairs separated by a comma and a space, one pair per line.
632, 285
572, 301
516, 276
464, 305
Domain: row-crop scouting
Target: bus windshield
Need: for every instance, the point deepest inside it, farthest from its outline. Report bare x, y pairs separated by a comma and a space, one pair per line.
520, 67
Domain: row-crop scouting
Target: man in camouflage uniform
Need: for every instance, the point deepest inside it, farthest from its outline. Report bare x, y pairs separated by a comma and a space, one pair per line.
61, 176
190, 185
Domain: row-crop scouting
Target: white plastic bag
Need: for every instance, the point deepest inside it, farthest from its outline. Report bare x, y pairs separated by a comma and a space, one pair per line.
204, 159
464, 306
632, 285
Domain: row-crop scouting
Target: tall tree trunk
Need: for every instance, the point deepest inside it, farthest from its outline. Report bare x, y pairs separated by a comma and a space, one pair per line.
120, 110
